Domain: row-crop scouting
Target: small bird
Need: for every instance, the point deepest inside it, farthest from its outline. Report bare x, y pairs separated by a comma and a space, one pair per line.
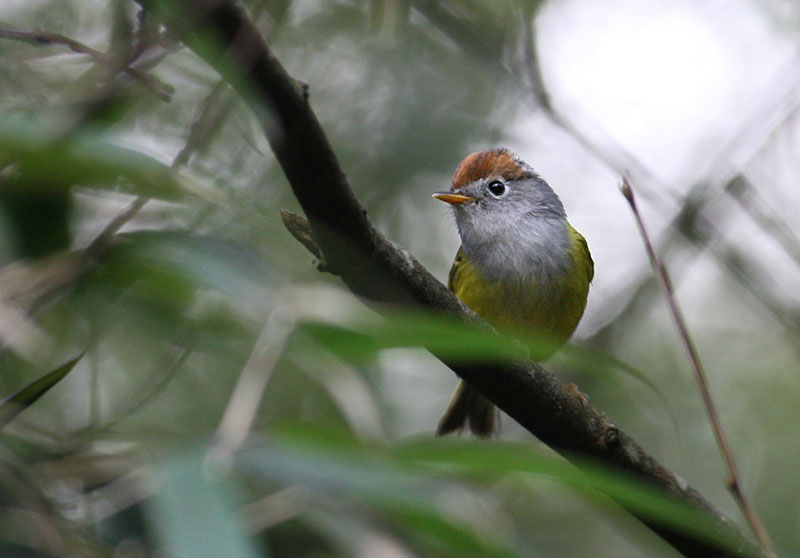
521, 266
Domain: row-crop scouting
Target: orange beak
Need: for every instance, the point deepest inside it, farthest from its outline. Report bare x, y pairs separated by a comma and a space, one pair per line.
453, 199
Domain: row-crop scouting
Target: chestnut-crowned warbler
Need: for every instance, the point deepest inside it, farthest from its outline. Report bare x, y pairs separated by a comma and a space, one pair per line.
521, 266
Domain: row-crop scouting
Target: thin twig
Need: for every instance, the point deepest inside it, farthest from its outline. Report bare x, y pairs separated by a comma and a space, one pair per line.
276, 508
211, 115
97, 247
209, 120
243, 405
530, 58
171, 364
162, 90
733, 481
609, 151
757, 207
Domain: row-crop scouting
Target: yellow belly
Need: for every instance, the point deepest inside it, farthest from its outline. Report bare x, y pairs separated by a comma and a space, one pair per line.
549, 315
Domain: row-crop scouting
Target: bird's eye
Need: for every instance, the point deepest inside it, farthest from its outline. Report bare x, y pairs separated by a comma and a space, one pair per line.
496, 188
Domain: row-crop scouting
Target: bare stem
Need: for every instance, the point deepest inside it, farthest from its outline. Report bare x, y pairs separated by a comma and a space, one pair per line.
209, 119
242, 409
733, 481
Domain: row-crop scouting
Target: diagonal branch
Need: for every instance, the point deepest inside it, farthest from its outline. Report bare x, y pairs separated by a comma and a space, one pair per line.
380, 272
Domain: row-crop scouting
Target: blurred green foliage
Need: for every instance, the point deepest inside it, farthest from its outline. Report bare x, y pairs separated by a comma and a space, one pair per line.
123, 457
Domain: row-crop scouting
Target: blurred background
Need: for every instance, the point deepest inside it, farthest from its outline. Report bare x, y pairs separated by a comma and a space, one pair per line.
139, 222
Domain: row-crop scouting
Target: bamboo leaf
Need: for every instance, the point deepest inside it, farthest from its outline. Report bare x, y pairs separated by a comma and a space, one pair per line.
14, 404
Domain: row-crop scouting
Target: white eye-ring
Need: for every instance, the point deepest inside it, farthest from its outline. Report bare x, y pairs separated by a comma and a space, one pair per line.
496, 188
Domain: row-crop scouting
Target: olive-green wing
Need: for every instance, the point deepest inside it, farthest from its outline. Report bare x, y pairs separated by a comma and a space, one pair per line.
458, 266
585, 257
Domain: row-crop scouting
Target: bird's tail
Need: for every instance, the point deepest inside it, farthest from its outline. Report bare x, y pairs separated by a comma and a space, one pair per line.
469, 407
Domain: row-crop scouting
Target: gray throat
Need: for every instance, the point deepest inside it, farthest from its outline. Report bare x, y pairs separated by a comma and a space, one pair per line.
536, 249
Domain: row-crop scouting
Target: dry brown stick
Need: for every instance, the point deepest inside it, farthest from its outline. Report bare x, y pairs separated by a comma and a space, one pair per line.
733, 481
378, 271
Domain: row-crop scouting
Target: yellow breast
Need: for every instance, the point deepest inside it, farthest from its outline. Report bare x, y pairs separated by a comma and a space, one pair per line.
549, 314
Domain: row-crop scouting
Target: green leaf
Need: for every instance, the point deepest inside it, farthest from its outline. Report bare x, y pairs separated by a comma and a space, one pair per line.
204, 261
14, 404
193, 513
492, 461
419, 502
46, 164
455, 340
444, 336
412, 477
161, 272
